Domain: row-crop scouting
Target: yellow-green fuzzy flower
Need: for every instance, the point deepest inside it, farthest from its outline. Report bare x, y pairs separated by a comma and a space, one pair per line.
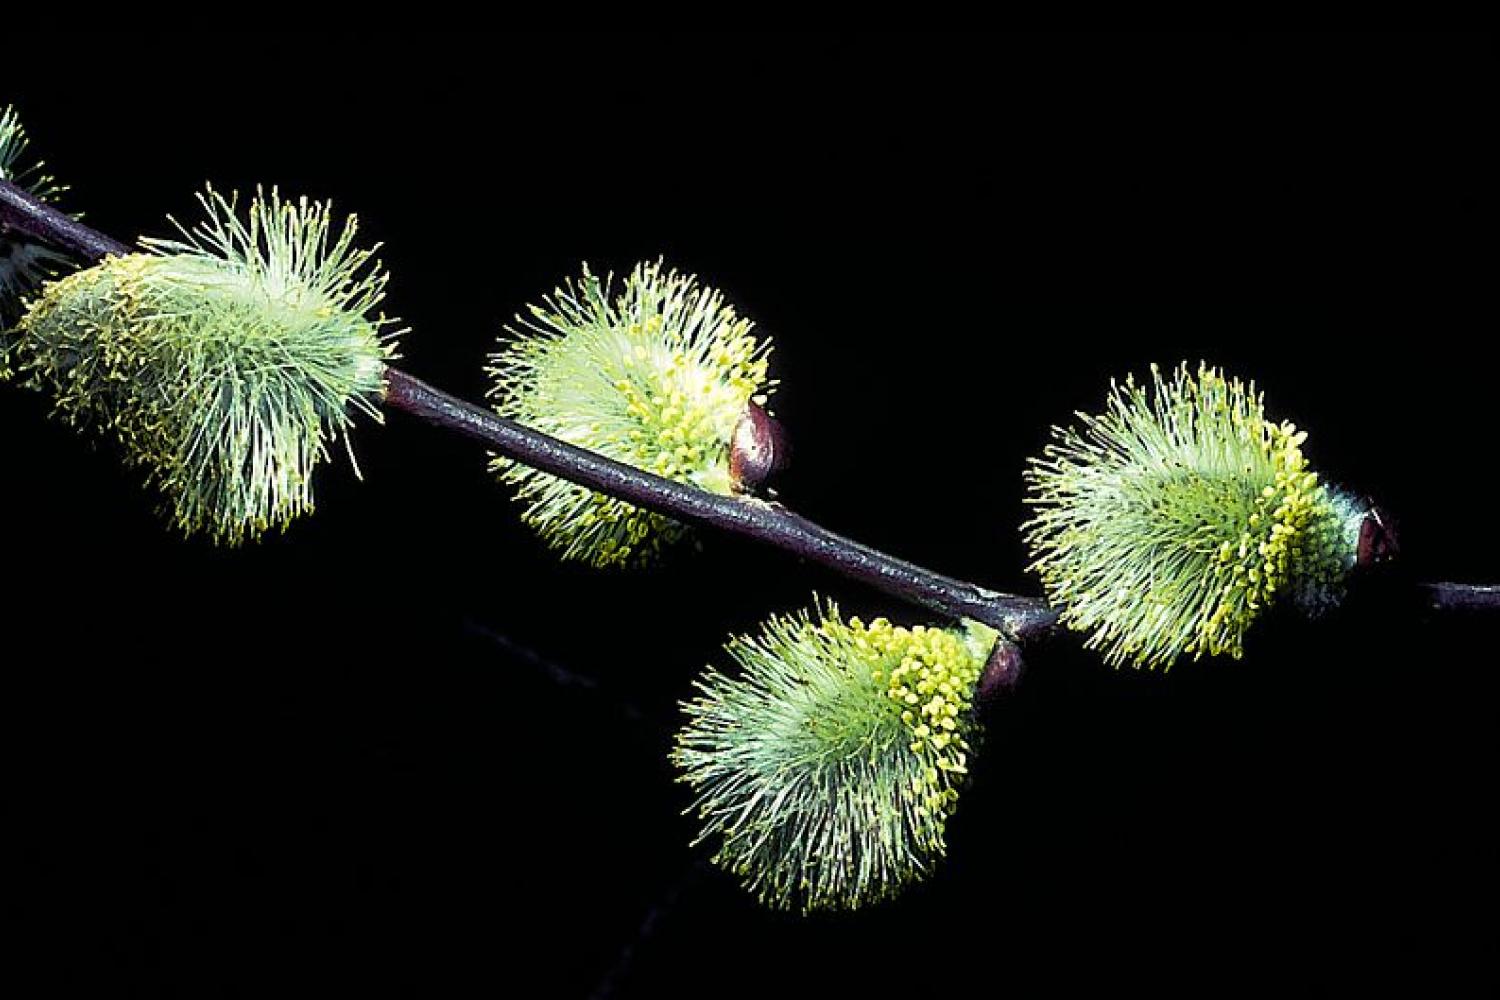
1169, 523
224, 363
23, 264
656, 376
827, 769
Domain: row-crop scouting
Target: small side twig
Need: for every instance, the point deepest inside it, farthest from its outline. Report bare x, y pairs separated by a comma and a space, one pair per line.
563, 677
1461, 596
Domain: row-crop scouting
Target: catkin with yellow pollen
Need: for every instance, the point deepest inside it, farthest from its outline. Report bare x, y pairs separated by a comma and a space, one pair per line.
223, 364
656, 375
827, 768
1167, 525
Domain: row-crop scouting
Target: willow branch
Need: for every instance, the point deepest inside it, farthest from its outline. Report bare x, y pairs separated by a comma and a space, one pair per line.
764, 522
1020, 617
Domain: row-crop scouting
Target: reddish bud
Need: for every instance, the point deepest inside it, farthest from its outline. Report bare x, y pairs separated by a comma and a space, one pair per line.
757, 451
1002, 671
1377, 539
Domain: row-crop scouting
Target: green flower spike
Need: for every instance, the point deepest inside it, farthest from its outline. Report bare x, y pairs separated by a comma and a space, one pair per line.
1168, 524
23, 265
658, 376
828, 768
223, 363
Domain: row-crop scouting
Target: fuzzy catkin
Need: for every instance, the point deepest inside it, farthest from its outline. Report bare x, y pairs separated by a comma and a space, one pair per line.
827, 767
223, 363
655, 375
1167, 525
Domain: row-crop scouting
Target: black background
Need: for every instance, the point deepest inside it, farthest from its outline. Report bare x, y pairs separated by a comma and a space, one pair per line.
400, 750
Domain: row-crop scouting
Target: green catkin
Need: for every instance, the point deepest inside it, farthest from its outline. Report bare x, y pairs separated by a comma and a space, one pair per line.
656, 376
827, 768
223, 363
1168, 524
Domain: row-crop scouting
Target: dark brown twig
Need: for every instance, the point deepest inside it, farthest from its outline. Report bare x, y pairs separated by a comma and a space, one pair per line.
765, 522
24, 214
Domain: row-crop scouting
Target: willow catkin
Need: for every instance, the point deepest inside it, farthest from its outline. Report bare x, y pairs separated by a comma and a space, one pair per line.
225, 362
